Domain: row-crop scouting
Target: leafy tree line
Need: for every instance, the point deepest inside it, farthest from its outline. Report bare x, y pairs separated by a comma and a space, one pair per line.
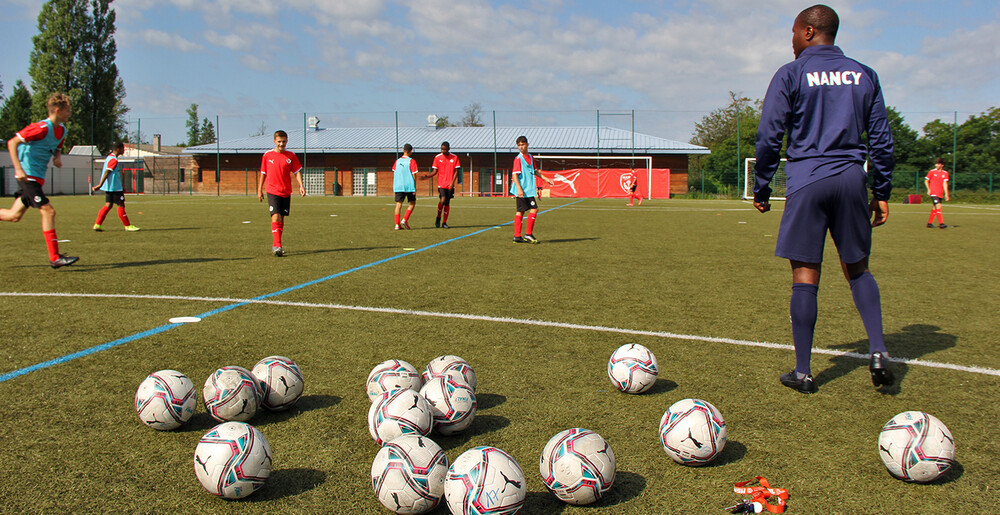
975, 156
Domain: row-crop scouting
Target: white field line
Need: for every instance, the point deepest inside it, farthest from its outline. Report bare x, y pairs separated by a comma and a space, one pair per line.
505, 320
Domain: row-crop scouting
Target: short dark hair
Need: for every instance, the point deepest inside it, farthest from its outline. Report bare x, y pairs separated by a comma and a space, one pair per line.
521, 139
822, 18
407, 148
940, 161
445, 144
118, 146
283, 134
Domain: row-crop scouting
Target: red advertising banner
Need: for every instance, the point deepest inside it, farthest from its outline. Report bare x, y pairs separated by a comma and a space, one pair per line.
608, 182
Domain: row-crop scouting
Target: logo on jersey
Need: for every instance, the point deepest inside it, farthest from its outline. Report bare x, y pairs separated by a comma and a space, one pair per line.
288, 161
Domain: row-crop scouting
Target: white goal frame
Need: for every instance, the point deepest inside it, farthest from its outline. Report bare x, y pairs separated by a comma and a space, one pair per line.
617, 157
777, 182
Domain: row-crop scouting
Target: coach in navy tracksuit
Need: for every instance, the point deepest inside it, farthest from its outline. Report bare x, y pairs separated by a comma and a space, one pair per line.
825, 102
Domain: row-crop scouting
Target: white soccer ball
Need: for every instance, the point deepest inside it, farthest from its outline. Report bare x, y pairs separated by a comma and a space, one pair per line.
232, 394
281, 382
453, 404
453, 366
632, 368
232, 460
397, 413
390, 375
484, 480
692, 432
165, 400
408, 474
578, 466
916, 446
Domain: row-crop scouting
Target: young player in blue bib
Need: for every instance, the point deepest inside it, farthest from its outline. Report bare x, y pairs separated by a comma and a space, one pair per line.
825, 101
523, 187
404, 186
114, 190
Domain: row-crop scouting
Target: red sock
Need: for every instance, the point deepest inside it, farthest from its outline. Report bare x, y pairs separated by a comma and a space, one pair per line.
444, 219
123, 216
931, 219
101, 214
440, 205
397, 218
407, 215
940, 217
276, 228
52, 243
531, 224
517, 225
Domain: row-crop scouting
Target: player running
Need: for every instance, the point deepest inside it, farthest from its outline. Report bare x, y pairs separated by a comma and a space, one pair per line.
632, 183
276, 170
404, 186
447, 167
114, 191
30, 150
523, 186
936, 183
825, 119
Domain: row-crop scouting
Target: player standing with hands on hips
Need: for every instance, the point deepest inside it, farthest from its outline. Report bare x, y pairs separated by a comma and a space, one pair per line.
114, 190
524, 187
30, 150
276, 170
936, 182
825, 101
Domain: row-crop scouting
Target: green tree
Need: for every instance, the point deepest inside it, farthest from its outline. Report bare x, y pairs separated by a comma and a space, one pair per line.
74, 53
443, 122
723, 168
16, 111
192, 125
207, 133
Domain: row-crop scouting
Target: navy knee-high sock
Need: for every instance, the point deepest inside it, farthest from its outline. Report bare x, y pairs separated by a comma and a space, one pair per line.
867, 299
803, 311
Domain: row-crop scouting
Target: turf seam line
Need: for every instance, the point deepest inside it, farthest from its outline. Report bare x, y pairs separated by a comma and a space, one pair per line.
507, 320
240, 302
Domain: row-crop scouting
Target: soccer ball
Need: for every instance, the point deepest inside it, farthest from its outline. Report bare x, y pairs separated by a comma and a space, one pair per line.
452, 366
916, 447
578, 466
165, 400
281, 382
408, 474
692, 432
399, 412
390, 375
484, 480
232, 460
232, 394
632, 368
453, 405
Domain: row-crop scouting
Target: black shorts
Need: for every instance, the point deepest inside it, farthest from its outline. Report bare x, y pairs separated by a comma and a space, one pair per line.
115, 197
279, 205
633, 188
409, 196
935, 200
31, 194
447, 194
525, 204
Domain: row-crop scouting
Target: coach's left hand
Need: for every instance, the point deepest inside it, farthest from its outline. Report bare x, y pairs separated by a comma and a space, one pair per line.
880, 212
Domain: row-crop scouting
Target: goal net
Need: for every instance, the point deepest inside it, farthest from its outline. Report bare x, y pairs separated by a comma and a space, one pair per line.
777, 182
602, 176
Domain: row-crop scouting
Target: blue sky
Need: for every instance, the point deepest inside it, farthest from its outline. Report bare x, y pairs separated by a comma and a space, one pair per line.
264, 63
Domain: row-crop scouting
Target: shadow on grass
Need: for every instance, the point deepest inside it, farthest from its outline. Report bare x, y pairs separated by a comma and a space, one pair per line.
481, 425
913, 342
485, 401
953, 474
132, 264
288, 483
294, 253
733, 452
568, 240
661, 386
306, 403
628, 486
541, 503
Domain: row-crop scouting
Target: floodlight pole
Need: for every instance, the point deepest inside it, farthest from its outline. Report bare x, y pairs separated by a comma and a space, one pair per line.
218, 159
954, 152
305, 153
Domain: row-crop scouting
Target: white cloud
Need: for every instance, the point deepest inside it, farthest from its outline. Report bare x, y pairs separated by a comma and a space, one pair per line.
171, 41
236, 42
255, 63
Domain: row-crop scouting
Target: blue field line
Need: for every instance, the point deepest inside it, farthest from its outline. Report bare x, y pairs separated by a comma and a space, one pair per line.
163, 328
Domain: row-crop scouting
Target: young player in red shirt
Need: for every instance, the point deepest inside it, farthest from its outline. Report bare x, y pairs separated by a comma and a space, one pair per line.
936, 182
276, 170
447, 167
633, 187
30, 151
114, 190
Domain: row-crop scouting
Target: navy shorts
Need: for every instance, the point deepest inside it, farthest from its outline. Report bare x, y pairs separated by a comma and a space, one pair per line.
115, 197
279, 205
408, 196
31, 194
838, 204
525, 204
